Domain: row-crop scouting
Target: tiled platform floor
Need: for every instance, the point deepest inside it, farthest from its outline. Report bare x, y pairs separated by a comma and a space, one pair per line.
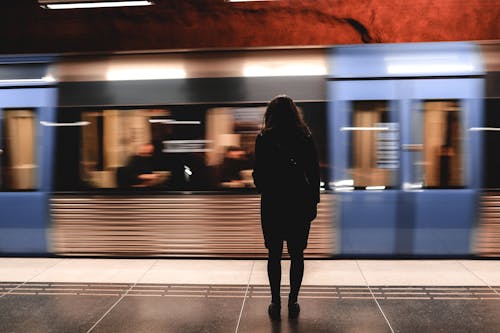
149, 295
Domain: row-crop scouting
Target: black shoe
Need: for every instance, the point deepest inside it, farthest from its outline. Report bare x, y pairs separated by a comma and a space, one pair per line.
274, 311
293, 310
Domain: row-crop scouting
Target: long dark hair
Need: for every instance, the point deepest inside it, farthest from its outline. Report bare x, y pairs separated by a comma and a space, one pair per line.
284, 118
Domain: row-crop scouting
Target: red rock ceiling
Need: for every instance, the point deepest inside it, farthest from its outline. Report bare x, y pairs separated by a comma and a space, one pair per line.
192, 24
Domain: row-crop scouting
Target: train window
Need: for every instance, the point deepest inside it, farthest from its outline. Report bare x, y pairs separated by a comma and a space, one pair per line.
231, 133
176, 148
144, 148
438, 148
374, 138
183, 147
491, 143
18, 154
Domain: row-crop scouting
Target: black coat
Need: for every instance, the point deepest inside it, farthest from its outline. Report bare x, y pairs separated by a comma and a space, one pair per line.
286, 199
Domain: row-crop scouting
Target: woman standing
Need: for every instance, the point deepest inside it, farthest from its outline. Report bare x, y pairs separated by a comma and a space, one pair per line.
286, 173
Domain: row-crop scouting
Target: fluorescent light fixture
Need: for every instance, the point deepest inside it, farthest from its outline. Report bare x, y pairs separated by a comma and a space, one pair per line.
412, 186
375, 188
345, 182
364, 128
46, 79
78, 123
185, 146
78, 4
174, 122
476, 129
152, 73
344, 189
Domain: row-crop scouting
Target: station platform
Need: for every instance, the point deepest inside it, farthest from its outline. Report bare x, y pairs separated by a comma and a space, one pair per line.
177, 295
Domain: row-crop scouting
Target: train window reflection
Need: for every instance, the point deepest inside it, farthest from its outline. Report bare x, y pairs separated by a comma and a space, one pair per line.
143, 148
374, 139
18, 154
438, 156
232, 133
171, 148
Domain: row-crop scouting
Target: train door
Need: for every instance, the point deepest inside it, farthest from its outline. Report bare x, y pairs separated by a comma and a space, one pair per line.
441, 156
405, 160
366, 168
25, 154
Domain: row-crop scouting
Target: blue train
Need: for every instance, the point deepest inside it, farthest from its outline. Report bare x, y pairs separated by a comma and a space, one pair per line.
142, 155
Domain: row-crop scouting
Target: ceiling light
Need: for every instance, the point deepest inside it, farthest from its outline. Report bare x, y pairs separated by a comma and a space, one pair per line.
75, 4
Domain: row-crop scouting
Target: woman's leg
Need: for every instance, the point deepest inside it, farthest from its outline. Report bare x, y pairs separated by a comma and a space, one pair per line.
296, 246
296, 274
274, 270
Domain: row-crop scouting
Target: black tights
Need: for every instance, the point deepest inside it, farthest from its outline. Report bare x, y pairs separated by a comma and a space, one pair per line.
274, 272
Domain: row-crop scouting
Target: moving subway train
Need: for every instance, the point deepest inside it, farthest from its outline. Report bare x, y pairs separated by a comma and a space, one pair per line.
151, 154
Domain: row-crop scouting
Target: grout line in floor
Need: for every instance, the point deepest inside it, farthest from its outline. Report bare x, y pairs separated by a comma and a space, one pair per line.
30, 279
122, 297
477, 276
373, 296
245, 297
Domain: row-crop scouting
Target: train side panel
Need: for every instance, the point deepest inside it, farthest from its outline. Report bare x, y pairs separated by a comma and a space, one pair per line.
24, 216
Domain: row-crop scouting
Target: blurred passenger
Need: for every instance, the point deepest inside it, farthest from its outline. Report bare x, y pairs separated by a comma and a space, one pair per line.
286, 173
235, 161
140, 169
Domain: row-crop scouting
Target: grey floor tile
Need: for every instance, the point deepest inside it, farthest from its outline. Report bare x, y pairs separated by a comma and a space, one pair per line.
443, 315
317, 315
172, 314
54, 313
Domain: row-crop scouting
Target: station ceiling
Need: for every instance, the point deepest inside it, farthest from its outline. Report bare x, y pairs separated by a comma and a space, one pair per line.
208, 24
